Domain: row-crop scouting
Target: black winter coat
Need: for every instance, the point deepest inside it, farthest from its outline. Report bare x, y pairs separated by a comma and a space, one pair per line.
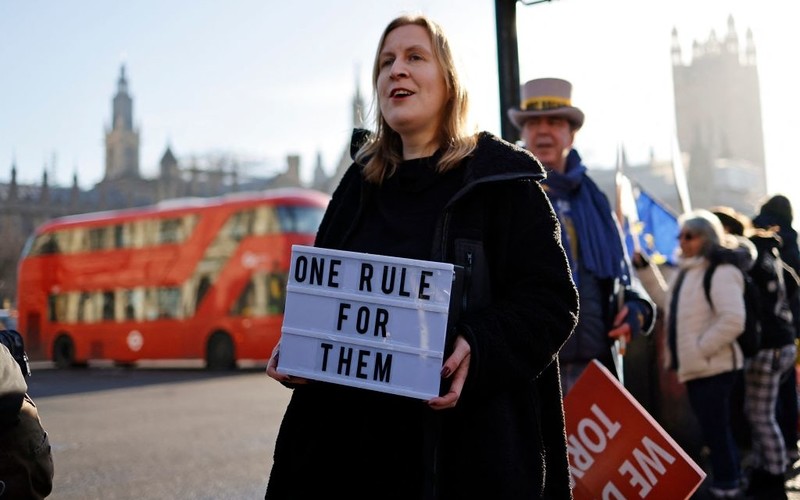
505, 439
777, 325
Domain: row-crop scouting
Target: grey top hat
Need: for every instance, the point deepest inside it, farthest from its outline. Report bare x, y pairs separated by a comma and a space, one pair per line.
546, 97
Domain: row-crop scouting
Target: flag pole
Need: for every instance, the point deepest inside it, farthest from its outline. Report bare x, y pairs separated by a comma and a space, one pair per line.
679, 173
619, 346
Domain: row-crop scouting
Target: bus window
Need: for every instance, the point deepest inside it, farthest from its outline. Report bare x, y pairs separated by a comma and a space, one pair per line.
62, 308
175, 230
202, 287
169, 231
97, 238
264, 294
120, 236
108, 305
245, 305
221, 248
265, 221
295, 219
45, 244
241, 224
150, 304
71, 300
134, 303
76, 240
188, 223
58, 308
276, 298
138, 230
150, 232
85, 308
129, 310
169, 302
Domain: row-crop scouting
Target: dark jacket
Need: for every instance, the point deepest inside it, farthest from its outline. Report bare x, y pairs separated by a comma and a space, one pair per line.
26, 462
790, 254
505, 438
600, 292
777, 325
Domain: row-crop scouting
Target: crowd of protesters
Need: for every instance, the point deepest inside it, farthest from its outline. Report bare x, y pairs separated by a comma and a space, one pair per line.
745, 405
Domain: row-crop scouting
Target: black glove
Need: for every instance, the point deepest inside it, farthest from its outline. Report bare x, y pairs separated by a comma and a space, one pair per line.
13, 341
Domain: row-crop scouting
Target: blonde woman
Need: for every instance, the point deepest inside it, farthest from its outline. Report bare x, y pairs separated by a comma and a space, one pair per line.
424, 187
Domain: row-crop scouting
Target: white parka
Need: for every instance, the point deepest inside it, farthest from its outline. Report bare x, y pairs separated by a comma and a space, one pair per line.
706, 337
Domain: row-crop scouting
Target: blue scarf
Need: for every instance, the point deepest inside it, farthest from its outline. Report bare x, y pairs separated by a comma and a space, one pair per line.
600, 245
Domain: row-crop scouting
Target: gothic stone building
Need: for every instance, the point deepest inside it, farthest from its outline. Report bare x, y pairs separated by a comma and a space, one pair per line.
719, 129
718, 113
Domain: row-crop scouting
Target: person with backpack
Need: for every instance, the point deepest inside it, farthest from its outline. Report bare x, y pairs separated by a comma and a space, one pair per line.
702, 339
735, 223
763, 372
773, 355
776, 214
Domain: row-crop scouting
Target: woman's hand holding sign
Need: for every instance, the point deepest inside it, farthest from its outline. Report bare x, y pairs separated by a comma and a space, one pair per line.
283, 378
456, 365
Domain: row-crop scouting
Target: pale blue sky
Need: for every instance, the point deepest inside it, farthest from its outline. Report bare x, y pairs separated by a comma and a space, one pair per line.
268, 78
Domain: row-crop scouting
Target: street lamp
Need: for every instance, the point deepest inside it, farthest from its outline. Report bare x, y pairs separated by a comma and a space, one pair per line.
508, 61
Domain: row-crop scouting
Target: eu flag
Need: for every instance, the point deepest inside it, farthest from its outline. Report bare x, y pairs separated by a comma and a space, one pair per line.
658, 228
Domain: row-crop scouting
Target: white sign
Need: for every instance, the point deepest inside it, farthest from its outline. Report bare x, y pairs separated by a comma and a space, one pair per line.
366, 320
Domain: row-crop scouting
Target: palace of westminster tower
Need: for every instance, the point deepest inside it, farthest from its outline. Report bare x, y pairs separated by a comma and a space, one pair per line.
719, 128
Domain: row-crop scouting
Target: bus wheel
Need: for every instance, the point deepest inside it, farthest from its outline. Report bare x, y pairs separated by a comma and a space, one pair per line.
219, 354
64, 352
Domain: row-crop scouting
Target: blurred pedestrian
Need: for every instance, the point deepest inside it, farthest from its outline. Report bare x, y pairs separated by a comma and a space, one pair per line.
776, 355
26, 462
613, 305
424, 187
776, 213
737, 224
701, 340
764, 371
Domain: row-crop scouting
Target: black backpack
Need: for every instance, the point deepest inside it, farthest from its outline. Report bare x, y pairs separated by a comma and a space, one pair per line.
750, 338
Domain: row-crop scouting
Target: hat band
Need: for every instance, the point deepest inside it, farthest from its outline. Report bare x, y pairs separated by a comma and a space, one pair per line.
546, 102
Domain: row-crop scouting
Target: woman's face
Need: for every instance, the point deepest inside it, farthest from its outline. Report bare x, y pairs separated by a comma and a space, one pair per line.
411, 87
690, 242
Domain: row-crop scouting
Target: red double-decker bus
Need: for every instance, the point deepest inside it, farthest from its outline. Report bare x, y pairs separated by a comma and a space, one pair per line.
183, 279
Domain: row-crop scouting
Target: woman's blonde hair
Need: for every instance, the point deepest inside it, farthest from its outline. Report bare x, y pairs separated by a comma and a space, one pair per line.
383, 152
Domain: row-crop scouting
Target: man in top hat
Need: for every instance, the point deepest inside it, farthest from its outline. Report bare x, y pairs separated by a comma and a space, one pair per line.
613, 305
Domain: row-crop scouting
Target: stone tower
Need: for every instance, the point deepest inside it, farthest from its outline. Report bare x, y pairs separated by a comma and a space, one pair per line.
169, 176
122, 140
358, 108
718, 116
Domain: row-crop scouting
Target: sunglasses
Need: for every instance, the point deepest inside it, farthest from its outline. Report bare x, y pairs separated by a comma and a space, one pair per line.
687, 236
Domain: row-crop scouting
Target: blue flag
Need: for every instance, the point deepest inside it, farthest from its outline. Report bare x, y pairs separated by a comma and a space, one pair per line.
658, 228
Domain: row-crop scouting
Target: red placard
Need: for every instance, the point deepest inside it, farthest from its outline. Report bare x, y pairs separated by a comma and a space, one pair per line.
616, 449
